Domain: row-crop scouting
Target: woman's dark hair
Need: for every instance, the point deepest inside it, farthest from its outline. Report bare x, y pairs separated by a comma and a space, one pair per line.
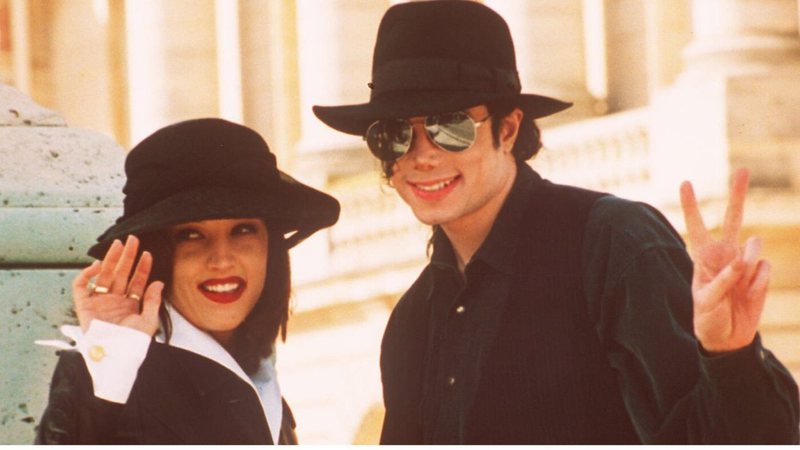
526, 146
253, 340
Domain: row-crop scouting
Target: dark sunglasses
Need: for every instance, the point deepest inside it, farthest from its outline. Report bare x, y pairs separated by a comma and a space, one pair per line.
390, 139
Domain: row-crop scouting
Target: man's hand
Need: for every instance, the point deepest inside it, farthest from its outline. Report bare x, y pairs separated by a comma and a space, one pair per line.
114, 298
730, 283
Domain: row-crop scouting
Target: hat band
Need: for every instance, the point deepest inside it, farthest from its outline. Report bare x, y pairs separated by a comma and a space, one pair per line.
438, 74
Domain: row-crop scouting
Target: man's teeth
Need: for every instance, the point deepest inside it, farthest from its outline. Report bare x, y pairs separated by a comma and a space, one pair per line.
221, 288
434, 187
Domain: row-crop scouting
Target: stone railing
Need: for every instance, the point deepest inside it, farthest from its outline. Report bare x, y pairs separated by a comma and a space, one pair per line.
375, 229
607, 154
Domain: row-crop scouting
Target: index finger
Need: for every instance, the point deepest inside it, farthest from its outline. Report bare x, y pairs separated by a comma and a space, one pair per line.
696, 229
81, 281
735, 210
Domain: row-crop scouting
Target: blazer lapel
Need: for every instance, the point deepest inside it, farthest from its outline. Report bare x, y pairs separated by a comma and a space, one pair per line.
199, 401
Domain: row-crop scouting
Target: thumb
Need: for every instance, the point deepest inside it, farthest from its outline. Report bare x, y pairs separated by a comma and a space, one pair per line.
151, 303
721, 284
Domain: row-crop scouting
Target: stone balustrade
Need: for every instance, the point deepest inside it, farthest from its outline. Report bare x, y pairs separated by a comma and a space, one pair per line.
606, 154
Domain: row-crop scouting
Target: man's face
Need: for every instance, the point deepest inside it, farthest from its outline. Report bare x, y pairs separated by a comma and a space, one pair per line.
457, 189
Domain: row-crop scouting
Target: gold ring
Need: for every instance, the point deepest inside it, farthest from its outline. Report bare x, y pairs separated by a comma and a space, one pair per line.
100, 290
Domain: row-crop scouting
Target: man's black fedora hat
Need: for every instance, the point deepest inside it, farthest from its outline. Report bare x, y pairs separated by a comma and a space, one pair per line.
207, 169
434, 57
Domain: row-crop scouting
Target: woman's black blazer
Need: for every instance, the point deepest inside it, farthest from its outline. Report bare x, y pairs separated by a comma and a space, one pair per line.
179, 397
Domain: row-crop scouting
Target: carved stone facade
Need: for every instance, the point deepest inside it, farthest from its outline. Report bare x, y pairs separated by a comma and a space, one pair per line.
665, 90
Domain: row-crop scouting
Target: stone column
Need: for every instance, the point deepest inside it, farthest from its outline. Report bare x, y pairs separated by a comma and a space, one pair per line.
625, 53
270, 89
551, 59
737, 102
67, 61
335, 40
172, 62
228, 59
60, 187
668, 28
19, 20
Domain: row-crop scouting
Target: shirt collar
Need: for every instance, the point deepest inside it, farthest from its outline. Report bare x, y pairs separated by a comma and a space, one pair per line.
265, 382
190, 338
500, 245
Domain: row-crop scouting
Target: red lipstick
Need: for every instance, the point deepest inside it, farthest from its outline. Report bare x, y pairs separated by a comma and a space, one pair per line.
223, 290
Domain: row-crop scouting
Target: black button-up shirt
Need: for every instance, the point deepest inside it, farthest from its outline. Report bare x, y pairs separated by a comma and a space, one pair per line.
636, 283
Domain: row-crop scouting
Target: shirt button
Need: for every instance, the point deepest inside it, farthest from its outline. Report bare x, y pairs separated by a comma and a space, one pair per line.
97, 353
451, 381
460, 309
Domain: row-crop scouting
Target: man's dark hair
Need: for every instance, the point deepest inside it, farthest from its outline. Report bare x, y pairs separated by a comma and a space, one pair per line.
526, 146
528, 141
254, 338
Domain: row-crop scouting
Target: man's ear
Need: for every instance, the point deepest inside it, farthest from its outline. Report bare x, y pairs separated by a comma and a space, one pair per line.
509, 128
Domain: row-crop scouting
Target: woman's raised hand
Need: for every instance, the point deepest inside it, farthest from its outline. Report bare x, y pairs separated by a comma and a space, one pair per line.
115, 299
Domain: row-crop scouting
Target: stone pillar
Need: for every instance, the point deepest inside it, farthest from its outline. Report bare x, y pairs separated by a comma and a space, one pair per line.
18, 22
270, 87
551, 59
334, 67
67, 60
335, 40
668, 27
737, 101
626, 54
229, 59
60, 187
172, 62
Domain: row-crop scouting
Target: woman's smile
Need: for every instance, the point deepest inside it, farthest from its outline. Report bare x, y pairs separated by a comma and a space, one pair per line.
223, 290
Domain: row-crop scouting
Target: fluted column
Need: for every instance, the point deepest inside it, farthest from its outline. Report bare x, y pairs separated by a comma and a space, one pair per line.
737, 102
551, 55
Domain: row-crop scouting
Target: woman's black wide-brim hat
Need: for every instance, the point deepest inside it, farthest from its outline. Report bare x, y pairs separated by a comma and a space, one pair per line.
206, 169
438, 56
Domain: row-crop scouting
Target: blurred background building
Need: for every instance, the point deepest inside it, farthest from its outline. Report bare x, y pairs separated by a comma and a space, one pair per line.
664, 90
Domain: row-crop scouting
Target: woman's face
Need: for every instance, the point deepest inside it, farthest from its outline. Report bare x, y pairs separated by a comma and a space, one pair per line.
218, 274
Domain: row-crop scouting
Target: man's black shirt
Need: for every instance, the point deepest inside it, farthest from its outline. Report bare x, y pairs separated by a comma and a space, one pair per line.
571, 327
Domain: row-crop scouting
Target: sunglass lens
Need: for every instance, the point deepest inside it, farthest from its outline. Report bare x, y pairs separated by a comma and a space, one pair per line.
453, 132
388, 139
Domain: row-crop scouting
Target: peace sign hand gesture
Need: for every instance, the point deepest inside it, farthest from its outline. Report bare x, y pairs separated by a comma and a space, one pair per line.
729, 286
113, 298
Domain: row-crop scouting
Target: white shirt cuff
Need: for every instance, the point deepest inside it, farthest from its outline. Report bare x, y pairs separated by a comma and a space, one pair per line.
113, 355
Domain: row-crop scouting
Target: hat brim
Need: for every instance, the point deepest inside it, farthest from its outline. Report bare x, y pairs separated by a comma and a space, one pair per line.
355, 119
292, 207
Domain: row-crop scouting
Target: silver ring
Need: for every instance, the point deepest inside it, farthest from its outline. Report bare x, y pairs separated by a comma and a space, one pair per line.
134, 297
